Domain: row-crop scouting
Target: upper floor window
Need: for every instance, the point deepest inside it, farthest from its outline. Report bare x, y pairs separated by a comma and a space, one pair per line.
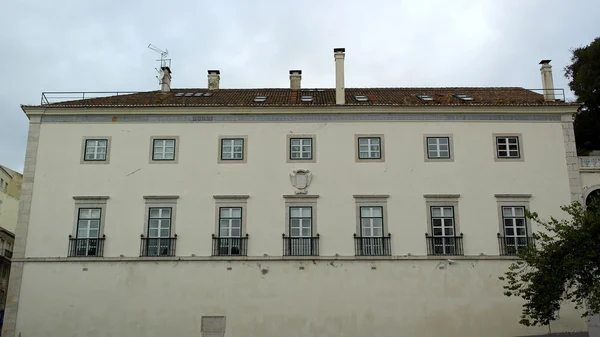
163, 149
369, 148
438, 148
95, 149
508, 147
232, 149
300, 148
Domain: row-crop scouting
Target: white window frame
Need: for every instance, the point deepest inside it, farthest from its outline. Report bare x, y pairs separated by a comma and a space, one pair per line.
505, 147
302, 143
244, 152
160, 147
153, 148
95, 160
88, 202
370, 144
429, 158
230, 219
304, 222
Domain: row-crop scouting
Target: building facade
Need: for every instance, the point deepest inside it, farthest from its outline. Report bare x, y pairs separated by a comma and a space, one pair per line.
295, 212
10, 192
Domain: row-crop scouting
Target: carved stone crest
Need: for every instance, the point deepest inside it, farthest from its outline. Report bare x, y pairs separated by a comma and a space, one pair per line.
301, 179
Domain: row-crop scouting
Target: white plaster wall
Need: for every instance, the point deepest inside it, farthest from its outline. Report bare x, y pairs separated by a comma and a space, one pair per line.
265, 177
273, 299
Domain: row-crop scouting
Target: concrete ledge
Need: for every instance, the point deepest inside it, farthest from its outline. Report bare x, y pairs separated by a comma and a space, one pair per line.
221, 197
82, 197
441, 196
270, 258
513, 196
160, 197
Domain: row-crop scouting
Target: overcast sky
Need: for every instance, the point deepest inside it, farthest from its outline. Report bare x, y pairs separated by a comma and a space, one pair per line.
102, 46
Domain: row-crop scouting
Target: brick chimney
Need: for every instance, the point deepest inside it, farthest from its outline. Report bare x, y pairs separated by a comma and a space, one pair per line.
547, 81
213, 79
295, 79
340, 91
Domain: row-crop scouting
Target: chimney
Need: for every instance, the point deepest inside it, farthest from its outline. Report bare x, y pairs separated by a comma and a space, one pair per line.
165, 79
213, 79
295, 79
340, 90
547, 81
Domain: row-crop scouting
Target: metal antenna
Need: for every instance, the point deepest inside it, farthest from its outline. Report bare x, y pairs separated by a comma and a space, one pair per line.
164, 62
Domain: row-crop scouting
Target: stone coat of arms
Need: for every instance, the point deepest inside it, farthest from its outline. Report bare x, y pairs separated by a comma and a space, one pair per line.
301, 179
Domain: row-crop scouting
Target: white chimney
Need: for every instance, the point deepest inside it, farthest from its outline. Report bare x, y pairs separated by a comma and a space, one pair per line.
165, 79
213, 79
547, 81
295, 79
340, 90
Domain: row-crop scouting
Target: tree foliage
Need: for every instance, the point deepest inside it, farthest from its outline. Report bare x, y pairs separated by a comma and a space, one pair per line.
584, 81
563, 266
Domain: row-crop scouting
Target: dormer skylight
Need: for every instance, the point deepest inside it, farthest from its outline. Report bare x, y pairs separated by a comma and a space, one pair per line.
306, 98
189, 94
425, 97
361, 98
464, 97
260, 99
179, 94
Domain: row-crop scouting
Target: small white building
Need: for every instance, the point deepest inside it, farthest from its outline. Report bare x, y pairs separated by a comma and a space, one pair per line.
287, 212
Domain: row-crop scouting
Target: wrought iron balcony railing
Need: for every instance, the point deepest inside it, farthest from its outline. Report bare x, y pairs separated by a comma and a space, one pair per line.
372, 246
444, 245
158, 246
513, 245
88, 247
230, 246
295, 246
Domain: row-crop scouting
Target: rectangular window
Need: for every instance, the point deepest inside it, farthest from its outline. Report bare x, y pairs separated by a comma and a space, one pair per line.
232, 149
87, 240
443, 240
515, 227
371, 221
438, 147
300, 222
159, 231
369, 148
508, 147
230, 231
301, 149
95, 149
163, 149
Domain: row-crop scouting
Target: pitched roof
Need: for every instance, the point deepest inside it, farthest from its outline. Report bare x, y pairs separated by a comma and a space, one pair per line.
320, 97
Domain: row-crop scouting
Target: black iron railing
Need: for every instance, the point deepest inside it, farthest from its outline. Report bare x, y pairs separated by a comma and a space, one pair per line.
88, 247
65, 96
300, 246
372, 246
513, 245
444, 245
230, 246
158, 246
8, 253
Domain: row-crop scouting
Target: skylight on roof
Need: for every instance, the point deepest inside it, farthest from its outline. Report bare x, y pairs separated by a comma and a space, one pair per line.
208, 94
189, 94
260, 98
306, 98
198, 94
464, 97
179, 94
425, 97
361, 98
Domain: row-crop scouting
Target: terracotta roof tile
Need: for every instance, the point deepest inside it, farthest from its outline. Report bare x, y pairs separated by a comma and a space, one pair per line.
321, 97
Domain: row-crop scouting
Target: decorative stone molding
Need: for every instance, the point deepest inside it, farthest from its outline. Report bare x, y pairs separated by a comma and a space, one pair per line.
441, 196
513, 196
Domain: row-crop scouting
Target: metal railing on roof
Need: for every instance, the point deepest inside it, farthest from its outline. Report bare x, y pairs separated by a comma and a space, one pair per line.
50, 97
558, 93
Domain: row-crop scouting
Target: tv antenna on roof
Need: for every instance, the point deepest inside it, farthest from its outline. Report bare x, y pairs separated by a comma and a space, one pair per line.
165, 63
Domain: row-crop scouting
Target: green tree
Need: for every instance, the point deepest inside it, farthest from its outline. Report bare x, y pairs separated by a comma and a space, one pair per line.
584, 81
563, 266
